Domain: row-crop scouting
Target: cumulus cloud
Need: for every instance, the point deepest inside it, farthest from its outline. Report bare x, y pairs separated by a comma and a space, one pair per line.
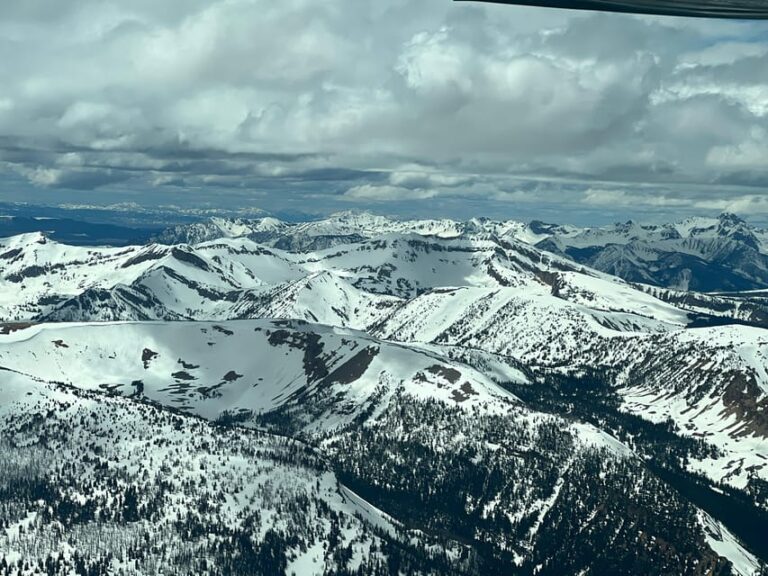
387, 193
324, 102
625, 198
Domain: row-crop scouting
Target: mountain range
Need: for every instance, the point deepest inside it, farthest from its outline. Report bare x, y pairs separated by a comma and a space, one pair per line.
723, 254
366, 395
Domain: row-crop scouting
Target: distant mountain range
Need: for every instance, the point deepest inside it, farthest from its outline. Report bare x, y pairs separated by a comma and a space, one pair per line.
705, 254
93, 225
721, 254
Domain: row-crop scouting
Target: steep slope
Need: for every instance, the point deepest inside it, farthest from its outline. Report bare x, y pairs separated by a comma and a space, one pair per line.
322, 297
45, 280
254, 367
37, 273
717, 254
432, 442
93, 484
216, 228
710, 381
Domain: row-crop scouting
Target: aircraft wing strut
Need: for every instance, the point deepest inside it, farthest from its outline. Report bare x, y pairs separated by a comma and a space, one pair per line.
732, 9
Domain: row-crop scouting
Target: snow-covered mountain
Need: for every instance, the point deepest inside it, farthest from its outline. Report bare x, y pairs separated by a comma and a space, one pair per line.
374, 410
516, 407
708, 381
217, 227
504, 298
96, 484
721, 254
237, 277
333, 374
339, 228
43, 279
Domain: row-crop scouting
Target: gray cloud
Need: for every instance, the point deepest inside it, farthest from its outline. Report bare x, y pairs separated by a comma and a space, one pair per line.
336, 102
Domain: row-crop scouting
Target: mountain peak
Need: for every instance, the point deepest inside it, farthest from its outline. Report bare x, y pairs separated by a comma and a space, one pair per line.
358, 216
731, 219
540, 227
32, 238
734, 228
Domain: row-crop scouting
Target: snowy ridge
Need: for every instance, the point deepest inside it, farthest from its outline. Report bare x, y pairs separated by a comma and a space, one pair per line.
705, 254
710, 381
203, 369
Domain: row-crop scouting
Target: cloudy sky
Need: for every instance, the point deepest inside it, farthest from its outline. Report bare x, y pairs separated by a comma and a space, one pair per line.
400, 106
